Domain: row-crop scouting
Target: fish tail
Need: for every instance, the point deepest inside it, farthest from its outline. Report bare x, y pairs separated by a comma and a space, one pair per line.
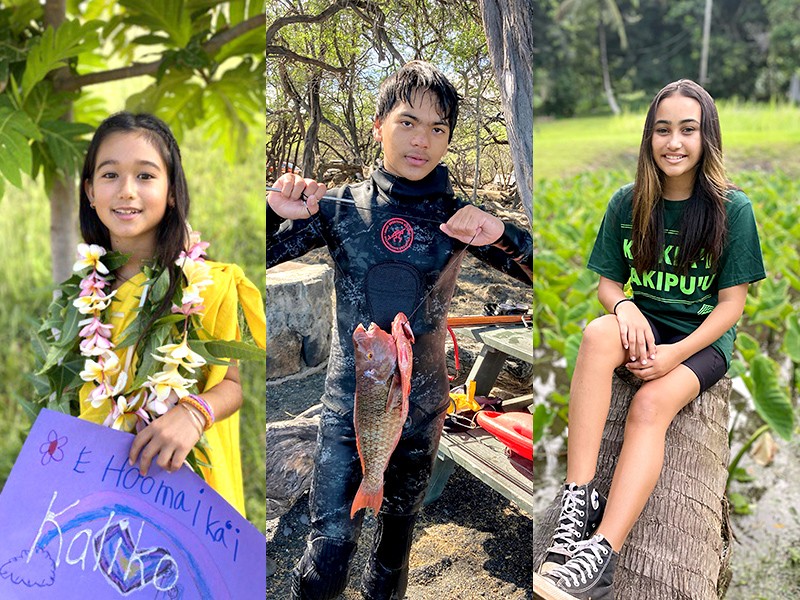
367, 499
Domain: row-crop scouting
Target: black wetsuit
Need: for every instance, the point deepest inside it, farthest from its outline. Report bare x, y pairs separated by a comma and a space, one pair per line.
389, 255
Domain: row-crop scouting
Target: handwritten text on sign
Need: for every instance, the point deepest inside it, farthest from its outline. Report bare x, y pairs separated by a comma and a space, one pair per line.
77, 520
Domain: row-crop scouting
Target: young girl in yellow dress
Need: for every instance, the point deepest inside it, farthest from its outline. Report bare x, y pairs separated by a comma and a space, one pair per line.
144, 319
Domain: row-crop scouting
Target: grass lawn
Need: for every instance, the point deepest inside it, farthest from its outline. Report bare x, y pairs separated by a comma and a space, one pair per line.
755, 137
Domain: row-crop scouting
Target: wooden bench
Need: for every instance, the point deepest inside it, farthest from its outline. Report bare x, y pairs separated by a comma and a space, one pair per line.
477, 451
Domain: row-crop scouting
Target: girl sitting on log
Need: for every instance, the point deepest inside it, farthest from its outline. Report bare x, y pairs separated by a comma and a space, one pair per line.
686, 240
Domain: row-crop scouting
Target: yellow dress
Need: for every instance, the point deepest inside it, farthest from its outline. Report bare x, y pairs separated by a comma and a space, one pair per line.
220, 317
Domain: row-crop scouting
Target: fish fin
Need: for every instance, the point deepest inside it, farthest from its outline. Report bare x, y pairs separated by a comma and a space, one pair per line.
365, 499
394, 398
405, 360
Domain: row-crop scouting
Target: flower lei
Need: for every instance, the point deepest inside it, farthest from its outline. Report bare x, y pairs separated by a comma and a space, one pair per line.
133, 407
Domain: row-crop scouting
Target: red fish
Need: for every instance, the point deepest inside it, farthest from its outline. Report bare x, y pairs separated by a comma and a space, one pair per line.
383, 384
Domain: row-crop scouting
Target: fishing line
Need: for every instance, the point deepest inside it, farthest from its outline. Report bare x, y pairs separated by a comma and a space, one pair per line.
349, 202
455, 261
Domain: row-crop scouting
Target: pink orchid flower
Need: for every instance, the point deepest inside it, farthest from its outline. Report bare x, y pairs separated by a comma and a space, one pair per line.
95, 326
95, 345
188, 309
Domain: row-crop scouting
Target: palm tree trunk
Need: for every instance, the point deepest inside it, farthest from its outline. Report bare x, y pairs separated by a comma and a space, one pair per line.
679, 548
601, 33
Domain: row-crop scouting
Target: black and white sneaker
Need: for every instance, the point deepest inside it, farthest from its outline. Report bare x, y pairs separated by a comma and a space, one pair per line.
582, 509
588, 575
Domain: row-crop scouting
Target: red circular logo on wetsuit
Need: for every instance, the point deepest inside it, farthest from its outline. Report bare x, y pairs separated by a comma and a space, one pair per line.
397, 235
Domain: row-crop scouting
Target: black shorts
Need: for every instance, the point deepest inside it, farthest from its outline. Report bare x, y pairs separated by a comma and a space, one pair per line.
708, 364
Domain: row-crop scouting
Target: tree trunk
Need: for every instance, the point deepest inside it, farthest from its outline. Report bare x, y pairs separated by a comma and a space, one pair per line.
63, 209
704, 50
508, 25
312, 133
478, 116
290, 461
601, 34
679, 548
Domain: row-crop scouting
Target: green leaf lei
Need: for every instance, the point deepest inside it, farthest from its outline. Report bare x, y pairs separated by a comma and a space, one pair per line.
73, 345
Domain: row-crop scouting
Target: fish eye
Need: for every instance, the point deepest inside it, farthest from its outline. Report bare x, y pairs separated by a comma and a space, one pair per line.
369, 355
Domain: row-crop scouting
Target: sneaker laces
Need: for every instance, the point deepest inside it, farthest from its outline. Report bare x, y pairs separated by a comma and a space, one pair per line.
589, 555
569, 521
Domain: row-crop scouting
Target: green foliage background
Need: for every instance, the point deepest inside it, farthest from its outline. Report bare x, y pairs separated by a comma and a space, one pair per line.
753, 50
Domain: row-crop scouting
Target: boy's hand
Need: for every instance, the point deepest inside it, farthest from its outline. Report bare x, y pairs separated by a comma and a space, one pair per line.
288, 204
470, 221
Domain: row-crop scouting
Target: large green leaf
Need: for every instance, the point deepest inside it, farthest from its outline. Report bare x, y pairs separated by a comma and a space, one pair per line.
54, 47
230, 349
571, 351
176, 98
65, 144
771, 398
791, 339
169, 16
747, 345
16, 129
543, 416
230, 104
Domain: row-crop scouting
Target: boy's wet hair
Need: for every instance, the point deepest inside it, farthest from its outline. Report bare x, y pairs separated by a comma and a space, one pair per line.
419, 76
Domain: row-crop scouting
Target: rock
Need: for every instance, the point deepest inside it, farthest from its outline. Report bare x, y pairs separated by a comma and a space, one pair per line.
290, 462
299, 301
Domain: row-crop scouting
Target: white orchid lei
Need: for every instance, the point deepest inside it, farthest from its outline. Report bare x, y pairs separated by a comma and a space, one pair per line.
74, 344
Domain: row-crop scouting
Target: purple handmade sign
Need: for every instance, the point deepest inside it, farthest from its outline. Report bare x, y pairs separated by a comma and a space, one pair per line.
77, 521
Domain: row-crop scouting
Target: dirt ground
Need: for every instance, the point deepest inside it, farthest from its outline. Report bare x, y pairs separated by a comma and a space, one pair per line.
471, 542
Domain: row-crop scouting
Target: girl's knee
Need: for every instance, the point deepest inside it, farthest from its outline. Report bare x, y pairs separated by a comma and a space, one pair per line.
602, 334
646, 410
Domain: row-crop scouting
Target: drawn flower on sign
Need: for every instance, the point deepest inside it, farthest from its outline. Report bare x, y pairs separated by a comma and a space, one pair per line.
52, 448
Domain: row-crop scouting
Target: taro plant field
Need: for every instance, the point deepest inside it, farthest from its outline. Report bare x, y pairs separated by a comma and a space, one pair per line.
578, 165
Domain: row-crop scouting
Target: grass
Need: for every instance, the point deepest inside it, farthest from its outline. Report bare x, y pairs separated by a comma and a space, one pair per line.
755, 137
227, 207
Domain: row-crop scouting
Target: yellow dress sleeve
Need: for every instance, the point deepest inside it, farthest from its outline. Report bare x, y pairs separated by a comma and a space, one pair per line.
221, 300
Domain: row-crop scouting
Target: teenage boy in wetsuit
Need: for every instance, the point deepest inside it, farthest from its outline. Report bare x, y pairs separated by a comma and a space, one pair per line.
399, 245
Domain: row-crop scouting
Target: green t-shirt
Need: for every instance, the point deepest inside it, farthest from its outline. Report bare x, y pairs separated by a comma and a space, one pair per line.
663, 295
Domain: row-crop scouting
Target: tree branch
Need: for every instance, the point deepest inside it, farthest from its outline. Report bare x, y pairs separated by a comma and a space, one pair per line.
282, 22
281, 51
71, 83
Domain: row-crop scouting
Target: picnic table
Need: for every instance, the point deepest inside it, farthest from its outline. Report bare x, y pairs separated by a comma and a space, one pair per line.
476, 450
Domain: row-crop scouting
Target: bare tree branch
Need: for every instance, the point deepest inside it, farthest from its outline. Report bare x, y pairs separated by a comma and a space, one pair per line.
281, 51
282, 22
69, 83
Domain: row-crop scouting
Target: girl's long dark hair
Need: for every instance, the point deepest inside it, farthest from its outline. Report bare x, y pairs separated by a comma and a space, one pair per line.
172, 232
704, 223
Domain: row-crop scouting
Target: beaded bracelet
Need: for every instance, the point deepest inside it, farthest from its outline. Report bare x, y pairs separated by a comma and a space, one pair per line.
202, 406
620, 302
